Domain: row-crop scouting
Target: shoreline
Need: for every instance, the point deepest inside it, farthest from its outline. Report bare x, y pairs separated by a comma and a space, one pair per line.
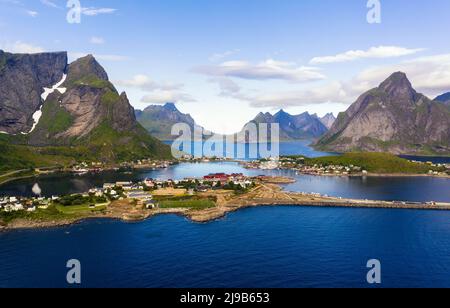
266, 194
379, 175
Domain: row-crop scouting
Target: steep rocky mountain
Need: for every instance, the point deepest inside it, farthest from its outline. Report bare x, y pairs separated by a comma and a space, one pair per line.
293, 127
22, 80
391, 118
158, 120
82, 109
444, 98
327, 120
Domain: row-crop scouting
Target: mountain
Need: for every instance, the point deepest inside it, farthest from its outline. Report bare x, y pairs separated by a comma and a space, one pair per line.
77, 108
328, 120
158, 120
22, 80
391, 118
293, 127
444, 98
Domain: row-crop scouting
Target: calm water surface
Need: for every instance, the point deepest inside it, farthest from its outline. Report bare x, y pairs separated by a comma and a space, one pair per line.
260, 247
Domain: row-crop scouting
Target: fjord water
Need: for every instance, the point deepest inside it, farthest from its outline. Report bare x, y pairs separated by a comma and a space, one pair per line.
259, 247
421, 189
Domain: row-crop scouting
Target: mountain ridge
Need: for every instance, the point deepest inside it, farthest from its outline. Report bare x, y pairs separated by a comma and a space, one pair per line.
158, 120
391, 118
292, 127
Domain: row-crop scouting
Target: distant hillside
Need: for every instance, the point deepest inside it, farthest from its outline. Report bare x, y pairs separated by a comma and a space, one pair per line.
444, 98
158, 120
293, 127
327, 120
382, 163
391, 118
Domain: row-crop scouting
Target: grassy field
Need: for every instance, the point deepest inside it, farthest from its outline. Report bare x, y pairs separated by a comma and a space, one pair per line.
190, 202
81, 209
382, 163
53, 213
374, 163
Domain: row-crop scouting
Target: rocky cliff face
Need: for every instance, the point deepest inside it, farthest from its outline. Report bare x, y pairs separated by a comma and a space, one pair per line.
22, 82
89, 101
391, 118
83, 111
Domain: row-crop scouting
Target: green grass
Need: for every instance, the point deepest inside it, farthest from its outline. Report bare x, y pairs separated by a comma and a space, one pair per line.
50, 214
92, 81
110, 97
373, 162
191, 204
16, 157
53, 213
55, 119
181, 202
80, 209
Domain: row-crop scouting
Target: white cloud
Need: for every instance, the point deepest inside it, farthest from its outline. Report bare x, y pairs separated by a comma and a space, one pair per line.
145, 83
220, 56
32, 13
92, 11
49, 3
372, 53
157, 92
161, 97
269, 69
430, 75
20, 47
97, 40
228, 88
330, 93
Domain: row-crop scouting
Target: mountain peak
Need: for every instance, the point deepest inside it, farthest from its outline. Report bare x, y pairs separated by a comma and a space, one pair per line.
170, 107
397, 80
392, 118
87, 67
398, 85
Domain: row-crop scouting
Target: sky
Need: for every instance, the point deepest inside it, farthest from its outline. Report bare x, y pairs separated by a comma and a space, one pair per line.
225, 61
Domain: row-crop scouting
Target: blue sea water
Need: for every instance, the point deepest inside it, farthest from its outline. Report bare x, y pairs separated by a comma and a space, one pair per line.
258, 247
249, 151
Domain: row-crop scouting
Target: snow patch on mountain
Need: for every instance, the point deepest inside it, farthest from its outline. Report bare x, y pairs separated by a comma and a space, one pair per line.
48, 91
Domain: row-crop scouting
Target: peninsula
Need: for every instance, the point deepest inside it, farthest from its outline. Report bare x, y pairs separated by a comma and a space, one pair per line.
137, 202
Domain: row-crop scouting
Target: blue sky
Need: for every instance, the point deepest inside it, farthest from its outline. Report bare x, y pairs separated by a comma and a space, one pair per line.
224, 61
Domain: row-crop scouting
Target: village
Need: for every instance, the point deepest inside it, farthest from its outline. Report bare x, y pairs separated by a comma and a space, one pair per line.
300, 165
145, 193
